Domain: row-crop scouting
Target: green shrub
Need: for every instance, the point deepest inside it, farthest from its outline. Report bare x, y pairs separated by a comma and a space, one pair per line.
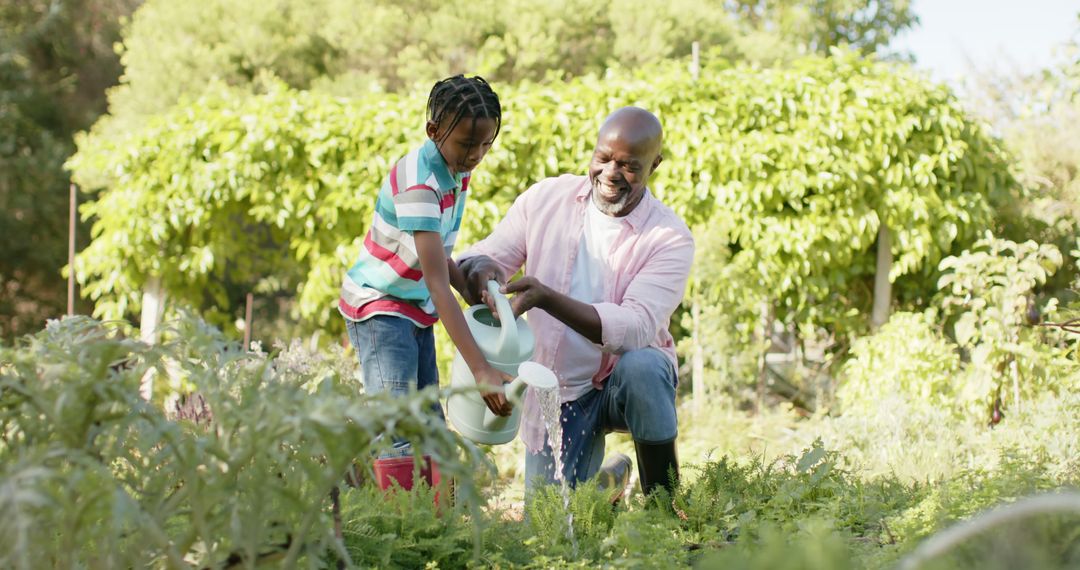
989, 291
739, 499
405, 530
93, 476
907, 359
272, 192
815, 546
586, 510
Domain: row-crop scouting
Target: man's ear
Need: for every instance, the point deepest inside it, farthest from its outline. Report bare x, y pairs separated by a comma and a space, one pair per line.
432, 129
656, 162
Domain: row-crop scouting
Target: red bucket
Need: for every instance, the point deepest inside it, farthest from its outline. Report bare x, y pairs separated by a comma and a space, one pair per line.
401, 469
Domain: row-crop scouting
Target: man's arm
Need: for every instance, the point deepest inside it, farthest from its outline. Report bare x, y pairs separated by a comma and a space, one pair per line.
650, 299
457, 280
529, 292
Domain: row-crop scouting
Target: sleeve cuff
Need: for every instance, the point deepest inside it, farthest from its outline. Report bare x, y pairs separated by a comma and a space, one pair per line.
612, 326
419, 227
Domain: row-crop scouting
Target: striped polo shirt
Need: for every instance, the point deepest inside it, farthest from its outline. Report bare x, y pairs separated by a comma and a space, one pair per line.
420, 194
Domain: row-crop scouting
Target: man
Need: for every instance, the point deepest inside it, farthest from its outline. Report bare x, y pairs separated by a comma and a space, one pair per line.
606, 264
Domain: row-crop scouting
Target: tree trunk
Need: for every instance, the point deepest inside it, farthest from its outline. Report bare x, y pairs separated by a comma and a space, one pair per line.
153, 307
879, 315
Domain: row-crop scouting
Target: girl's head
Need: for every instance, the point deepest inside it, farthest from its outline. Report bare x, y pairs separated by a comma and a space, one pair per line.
464, 117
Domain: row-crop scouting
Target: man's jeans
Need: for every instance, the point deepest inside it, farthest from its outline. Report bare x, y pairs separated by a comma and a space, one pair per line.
396, 356
638, 397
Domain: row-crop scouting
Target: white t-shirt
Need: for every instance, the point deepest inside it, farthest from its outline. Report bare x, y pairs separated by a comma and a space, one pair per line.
579, 359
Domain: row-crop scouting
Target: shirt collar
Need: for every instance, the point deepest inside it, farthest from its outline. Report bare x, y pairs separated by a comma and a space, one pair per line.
435, 160
636, 217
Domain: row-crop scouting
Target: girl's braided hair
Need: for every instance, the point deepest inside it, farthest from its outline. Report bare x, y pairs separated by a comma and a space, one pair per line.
459, 97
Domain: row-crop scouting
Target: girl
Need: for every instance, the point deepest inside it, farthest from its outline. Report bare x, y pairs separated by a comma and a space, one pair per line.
400, 285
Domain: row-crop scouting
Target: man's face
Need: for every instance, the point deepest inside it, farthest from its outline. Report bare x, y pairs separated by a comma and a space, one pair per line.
465, 146
619, 172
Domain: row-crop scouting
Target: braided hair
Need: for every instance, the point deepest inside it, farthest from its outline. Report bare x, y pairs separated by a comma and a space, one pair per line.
460, 97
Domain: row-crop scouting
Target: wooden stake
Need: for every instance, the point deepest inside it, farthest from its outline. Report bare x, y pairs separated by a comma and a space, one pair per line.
71, 254
695, 60
697, 356
247, 322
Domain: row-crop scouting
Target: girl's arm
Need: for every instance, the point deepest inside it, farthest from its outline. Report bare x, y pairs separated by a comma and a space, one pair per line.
435, 266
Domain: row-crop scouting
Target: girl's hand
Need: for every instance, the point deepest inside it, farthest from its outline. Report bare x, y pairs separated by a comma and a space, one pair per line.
491, 377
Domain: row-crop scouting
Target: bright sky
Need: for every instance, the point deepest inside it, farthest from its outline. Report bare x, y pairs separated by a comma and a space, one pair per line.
991, 34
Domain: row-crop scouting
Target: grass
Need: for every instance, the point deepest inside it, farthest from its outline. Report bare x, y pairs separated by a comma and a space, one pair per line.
860, 490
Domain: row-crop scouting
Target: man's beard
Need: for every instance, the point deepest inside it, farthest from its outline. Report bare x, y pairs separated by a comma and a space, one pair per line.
616, 207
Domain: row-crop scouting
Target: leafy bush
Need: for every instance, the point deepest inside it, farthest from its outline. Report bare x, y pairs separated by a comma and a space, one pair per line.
906, 359
550, 515
94, 476
814, 546
272, 192
405, 530
990, 291
738, 500
968, 493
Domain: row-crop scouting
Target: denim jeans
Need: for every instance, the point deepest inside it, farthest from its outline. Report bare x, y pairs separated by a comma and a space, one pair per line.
396, 356
638, 397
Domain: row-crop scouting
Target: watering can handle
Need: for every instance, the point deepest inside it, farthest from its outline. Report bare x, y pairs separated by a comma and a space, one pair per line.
507, 322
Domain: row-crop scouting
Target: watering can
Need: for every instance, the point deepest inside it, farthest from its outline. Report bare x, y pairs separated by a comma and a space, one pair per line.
507, 344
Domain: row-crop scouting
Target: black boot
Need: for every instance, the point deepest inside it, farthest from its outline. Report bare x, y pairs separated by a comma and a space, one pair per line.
655, 462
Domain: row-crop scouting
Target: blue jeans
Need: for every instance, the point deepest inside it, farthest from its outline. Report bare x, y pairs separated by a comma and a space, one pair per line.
396, 356
638, 397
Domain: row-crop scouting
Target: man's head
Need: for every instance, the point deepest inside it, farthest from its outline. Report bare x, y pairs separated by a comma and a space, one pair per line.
627, 152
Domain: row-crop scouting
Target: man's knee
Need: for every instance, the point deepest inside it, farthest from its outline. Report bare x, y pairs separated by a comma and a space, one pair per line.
642, 399
647, 374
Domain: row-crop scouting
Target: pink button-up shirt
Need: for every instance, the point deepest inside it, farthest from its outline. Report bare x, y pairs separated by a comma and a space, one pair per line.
650, 264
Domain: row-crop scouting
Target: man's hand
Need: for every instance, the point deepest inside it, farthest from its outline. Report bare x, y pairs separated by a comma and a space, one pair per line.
489, 376
528, 292
478, 271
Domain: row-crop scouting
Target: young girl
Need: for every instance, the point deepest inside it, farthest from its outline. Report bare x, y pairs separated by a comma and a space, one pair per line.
400, 285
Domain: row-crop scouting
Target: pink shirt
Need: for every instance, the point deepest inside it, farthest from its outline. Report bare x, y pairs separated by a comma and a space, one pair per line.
650, 264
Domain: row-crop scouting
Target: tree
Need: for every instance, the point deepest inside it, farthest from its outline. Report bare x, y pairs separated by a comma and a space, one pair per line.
820, 25
175, 48
56, 60
796, 169
1035, 113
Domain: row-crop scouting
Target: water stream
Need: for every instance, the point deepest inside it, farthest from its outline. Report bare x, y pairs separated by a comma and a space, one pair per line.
551, 409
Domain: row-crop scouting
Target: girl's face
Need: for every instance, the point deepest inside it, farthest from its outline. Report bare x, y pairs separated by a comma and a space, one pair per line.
465, 146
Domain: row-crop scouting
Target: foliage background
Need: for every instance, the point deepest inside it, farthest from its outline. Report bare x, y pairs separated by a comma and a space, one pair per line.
242, 144
58, 58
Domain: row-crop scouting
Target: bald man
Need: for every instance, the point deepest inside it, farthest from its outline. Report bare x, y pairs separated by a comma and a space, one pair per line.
606, 265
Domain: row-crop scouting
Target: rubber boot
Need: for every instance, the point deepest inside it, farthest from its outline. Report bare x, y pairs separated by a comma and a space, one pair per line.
614, 474
356, 475
655, 462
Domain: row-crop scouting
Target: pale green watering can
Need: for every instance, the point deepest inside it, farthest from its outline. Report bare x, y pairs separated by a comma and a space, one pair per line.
507, 348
